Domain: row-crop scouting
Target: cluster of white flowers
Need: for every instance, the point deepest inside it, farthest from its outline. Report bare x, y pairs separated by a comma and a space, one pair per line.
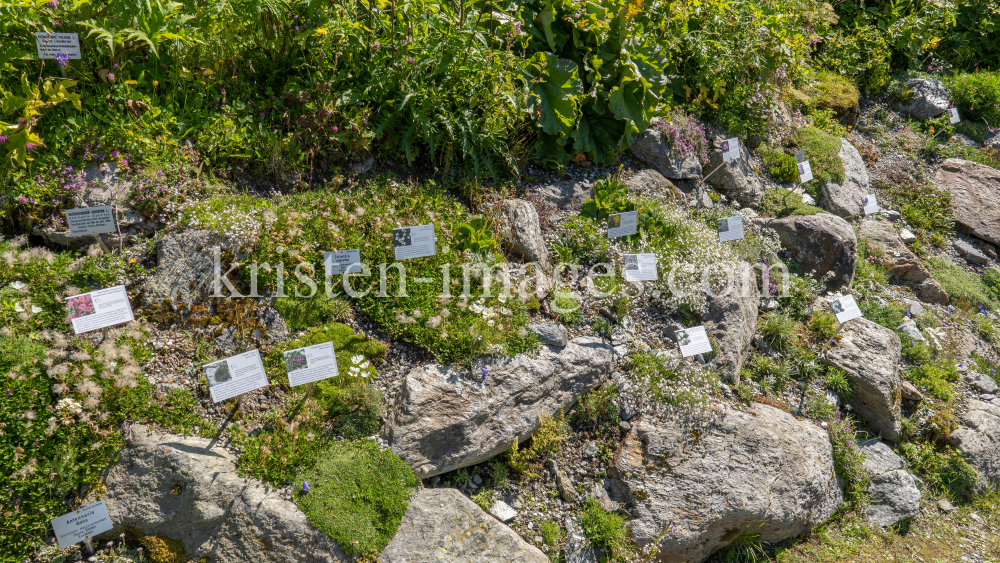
241, 227
361, 366
68, 408
490, 313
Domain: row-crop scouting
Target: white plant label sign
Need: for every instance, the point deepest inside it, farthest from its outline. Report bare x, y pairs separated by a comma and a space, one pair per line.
693, 341
731, 149
623, 224
414, 242
953, 115
99, 309
805, 171
341, 261
641, 267
869, 204
90, 220
235, 375
312, 363
846, 308
730, 228
51, 44
82, 525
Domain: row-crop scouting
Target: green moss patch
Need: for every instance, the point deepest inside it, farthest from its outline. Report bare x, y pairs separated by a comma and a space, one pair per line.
358, 495
835, 92
781, 202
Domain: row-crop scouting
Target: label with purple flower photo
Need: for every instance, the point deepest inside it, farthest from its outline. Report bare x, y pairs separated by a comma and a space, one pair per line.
312, 363
730, 149
99, 309
57, 45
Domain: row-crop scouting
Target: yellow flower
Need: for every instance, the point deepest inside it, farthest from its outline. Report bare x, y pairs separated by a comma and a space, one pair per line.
131, 82
320, 31
156, 83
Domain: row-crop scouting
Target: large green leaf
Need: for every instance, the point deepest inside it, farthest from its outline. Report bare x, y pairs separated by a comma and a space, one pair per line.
553, 92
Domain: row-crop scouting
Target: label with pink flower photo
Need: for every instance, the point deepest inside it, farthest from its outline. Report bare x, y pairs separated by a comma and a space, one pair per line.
90, 220
99, 309
312, 363
57, 45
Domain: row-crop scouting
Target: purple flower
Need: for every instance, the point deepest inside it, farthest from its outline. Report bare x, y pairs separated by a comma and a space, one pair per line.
3, 139
305, 486
114, 154
111, 75
10, 391
30, 146
376, 45
296, 28
485, 372
52, 3
261, 115
116, 66
411, 60
334, 128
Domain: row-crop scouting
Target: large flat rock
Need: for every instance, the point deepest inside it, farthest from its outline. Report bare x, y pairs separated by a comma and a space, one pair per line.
975, 196
979, 439
823, 245
906, 268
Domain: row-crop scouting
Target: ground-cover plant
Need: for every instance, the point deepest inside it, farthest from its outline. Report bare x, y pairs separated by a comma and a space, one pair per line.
606, 530
862, 53
964, 288
780, 202
357, 495
661, 385
977, 96
944, 469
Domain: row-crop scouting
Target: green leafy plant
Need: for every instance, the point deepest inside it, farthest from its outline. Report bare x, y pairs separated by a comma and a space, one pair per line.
499, 473
484, 498
945, 470
550, 532
605, 530
476, 235
779, 331
20, 137
839, 382
608, 196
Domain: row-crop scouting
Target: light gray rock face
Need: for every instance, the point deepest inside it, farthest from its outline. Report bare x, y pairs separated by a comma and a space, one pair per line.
708, 476
731, 321
551, 334
925, 98
521, 232
975, 196
600, 494
909, 331
185, 271
565, 195
894, 496
175, 487
653, 148
870, 354
879, 457
443, 525
443, 419
652, 183
844, 199
993, 141
970, 253
981, 382
906, 268
734, 178
979, 439
821, 244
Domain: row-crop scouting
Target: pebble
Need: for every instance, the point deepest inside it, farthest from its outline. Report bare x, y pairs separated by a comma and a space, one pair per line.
945, 506
625, 426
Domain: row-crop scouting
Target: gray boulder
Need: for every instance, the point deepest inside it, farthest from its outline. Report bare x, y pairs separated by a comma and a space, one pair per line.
844, 199
735, 179
565, 195
879, 457
186, 270
979, 439
909, 331
975, 196
653, 148
652, 183
906, 267
821, 244
731, 321
870, 354
177, 488
551, 334
521, 232
443, 419
707, 476
970, 253
981, 382
443, 525
893, 496
925, 98
993, 141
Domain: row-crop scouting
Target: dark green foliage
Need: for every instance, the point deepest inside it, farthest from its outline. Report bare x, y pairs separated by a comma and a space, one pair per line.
358, 495
301, 314
605, 530
476, 235
602, 327
779, 164
862, 53
822, 152
596, 406
977, 95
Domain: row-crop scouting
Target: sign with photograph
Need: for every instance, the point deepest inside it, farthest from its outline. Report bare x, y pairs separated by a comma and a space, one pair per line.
693, 341
640, 267
235, 375
51, 44
99, 309
731, 149
338, 262
82, 524
730, 228
312, 363
90, 220
869, 204
846, 308
414, 242
805, 171
623, 224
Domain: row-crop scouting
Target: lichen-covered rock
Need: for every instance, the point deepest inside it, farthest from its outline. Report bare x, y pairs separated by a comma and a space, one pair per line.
521, 232
892, 497
443, 418
565, 195
975, 196
925, 98
905, 267
735, 178
186, 268
979, 439
844, 198
731, 321
708, 476
444, 526
180, 490
824, 246
653, 148
651, 183
870, 354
